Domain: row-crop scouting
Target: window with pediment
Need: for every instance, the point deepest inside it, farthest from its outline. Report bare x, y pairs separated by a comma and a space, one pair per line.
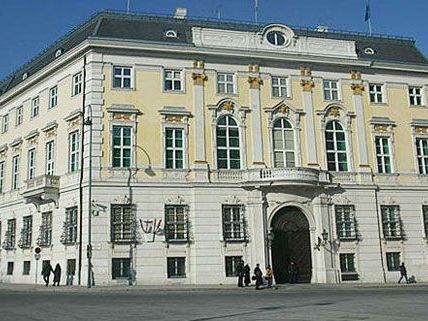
283, 143
335, 138
228, 144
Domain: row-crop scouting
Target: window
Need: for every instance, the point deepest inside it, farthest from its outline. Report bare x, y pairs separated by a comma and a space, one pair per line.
73, 149
26, 232
53, 97
15, 172
283, 144
69, 233
176, 223
10, 235
425, 217
393, 261
120, 268
376, 93
337, 159
50, 158
415, 96
228, 150
173, 80
174, 146
391, 221
330, 88
170, 34
176, 267
26, 268
383, 154
279, 87
77, 83
122, 77
231, 262
276, 38
233, 223
345, 222
9, 268
347, 263
45, 236
2, 170
31, 163
422, 154
121, 217
225, 83
5, 123
122, 140
19, 115
71, 267
35, 107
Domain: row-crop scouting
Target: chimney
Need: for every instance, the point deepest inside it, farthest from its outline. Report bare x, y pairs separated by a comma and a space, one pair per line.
180, 13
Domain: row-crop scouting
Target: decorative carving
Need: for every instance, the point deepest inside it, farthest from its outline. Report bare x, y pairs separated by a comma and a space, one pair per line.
355, 75
199, 78
255, 82
177, 200
122, 116
51, 132
253, 68
227, 105
199, 64
3, 154
174, 119
341, 200
121, 199
388, 201
233, 199
334, 111
305, 71
307, 85
33, 141
421, 130
283, 109
357, 89
381, 128
75, 122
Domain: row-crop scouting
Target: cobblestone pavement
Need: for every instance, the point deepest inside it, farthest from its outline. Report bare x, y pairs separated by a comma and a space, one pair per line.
299, 302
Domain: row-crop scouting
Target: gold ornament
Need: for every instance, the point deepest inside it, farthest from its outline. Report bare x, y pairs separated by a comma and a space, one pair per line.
199, 78
357, 89
307, 85
255, 82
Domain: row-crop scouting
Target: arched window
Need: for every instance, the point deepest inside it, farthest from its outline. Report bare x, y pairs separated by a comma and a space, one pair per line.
283, 144
228, 151
337, 158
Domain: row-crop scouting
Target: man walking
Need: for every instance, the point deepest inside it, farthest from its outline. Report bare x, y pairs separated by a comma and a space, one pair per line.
259, 276
46, 272
240, 273
403, 273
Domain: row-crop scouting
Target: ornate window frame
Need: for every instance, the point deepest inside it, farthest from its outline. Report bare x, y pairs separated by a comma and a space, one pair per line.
383, 126
419, 131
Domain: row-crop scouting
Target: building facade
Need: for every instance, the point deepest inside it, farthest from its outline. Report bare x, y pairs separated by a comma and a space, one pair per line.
201, 143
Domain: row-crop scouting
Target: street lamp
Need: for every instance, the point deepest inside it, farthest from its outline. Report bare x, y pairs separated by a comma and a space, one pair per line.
323, 241
88, 122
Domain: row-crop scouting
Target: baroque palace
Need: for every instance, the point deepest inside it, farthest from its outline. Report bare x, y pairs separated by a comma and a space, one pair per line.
162, 150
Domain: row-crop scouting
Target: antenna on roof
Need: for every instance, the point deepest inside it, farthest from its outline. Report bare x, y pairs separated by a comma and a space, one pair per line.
218, 12
256, 10
128, 5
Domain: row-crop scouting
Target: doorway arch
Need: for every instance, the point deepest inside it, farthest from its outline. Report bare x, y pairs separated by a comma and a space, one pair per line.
291, 243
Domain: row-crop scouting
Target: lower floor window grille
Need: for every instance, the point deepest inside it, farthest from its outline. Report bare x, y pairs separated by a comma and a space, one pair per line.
231, 262
176, 267
121, 268
393, 261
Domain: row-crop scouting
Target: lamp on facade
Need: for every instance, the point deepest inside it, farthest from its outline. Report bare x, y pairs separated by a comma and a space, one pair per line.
328, 245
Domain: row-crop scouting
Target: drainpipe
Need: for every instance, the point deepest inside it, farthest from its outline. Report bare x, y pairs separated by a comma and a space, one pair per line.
379, 234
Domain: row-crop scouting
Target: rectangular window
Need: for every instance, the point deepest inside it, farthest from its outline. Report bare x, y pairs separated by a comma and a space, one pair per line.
391, 221
19, 117
225, 83
73, 149
233, 223
383, 154
120, 268
31, 163
376, 93
35, 107
69, 234
331, 90
174, 148
422, 154
345, 222
15, 172
5, 123
71, 267
50, 158
176, 223
415, 96
173, 80
2, 171
393, 261
347, 263
121, 221
26, 232
176, 267
9, 268
122, 146
279, 87
26, 268
10, 236
231, 262
45, 237
53, 97
425, 217
77, 83
122, 77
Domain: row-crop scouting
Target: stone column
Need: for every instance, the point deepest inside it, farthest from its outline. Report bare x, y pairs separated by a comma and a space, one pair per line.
255, 81
307, 84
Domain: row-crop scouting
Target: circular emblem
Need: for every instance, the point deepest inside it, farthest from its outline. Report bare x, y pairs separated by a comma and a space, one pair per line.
276, 38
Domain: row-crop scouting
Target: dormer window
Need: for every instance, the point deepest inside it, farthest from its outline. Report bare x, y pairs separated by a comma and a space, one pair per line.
171, 34
58, 52
25, 76
276, 38
369, 51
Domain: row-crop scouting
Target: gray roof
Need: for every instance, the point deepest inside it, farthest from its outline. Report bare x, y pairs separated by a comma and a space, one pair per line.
108, 24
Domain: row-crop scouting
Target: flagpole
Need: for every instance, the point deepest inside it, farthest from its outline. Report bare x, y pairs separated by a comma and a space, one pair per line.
370, 26
256, 10
128, 5
368, 16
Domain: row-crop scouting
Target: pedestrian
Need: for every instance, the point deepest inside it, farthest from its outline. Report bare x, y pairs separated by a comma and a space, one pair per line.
46, 272
258, 274
57, 275
247, 277
292, 273
240, 273
403, 273
269, 276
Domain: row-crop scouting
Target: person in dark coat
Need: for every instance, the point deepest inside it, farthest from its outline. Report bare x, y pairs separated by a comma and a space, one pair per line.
247, 277
46, 272
292, 273
403, 273
259, 276
240, 273
57, 275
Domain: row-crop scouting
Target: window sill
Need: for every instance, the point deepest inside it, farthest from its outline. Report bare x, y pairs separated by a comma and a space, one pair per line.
379, 104
393, 239
350, 276
166, 91
178, 241
418, 106
281, 97
177, 277
123, 89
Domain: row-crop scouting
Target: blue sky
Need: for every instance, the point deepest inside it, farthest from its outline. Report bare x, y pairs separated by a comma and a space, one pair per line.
29, 26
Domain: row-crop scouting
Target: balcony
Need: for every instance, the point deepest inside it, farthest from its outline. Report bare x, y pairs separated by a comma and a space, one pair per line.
41, 190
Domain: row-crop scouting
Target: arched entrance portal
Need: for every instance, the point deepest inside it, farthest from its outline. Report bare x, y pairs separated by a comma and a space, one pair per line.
291, 243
